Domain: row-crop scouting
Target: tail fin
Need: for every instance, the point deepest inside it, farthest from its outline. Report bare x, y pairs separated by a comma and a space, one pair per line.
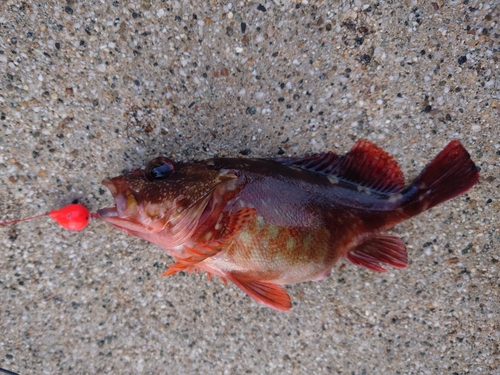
449, 175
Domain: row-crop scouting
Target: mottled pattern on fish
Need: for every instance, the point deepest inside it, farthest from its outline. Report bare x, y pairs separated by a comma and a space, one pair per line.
264, 223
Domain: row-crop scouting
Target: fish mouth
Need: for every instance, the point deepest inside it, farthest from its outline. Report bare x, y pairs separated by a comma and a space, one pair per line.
124, 214
125, 202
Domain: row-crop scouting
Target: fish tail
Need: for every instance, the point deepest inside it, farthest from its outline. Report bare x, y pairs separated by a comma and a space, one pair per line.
449, 175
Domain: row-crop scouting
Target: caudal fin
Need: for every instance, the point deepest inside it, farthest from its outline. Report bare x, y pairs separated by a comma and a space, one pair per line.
449, 175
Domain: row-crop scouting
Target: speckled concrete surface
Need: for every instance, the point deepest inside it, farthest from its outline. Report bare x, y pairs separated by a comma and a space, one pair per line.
90, 88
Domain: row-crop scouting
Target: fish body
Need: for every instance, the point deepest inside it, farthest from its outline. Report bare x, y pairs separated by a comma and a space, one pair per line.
265, 223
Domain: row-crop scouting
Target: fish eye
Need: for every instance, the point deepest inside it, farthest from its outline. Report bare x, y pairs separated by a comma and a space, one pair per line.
159, 169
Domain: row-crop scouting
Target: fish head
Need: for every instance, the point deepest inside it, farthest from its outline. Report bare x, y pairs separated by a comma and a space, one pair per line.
163, 202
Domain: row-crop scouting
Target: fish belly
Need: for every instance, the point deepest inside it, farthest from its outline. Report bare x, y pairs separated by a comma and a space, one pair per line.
277, 254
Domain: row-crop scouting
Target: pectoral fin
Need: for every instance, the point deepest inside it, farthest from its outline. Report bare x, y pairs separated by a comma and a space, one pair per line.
380, 250
269, 294
233, 225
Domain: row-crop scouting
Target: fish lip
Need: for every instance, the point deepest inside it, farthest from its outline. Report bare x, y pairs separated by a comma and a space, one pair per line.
120, 193
107, 213
108, 183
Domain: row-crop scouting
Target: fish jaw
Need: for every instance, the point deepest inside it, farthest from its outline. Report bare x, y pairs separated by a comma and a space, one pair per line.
128, 225
127, 214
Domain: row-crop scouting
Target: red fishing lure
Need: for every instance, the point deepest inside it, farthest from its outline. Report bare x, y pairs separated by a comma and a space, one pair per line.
73, 217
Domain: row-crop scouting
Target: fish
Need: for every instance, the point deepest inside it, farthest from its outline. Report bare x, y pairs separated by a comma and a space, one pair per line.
265, 223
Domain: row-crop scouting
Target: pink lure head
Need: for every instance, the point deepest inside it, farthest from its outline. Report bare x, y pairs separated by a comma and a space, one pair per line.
72, 217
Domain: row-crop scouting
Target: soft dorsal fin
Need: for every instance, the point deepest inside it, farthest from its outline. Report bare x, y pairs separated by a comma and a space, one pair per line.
370, 166
366, 165
321, 162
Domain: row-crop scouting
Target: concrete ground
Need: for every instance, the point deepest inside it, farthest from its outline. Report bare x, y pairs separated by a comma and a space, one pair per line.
91, 88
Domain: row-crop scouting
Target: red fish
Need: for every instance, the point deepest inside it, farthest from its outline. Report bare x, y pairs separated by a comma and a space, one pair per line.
265, 223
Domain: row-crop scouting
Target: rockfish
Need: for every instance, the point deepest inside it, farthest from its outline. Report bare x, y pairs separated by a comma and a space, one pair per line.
265, 223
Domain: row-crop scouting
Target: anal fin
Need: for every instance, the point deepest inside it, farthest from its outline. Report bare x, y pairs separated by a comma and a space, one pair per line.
270, 294
378, 250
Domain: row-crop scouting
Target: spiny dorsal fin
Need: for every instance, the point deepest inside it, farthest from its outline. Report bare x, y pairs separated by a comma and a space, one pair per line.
321, 162
366, 165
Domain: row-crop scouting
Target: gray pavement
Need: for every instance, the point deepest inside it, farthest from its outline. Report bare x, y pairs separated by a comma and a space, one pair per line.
91, 88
